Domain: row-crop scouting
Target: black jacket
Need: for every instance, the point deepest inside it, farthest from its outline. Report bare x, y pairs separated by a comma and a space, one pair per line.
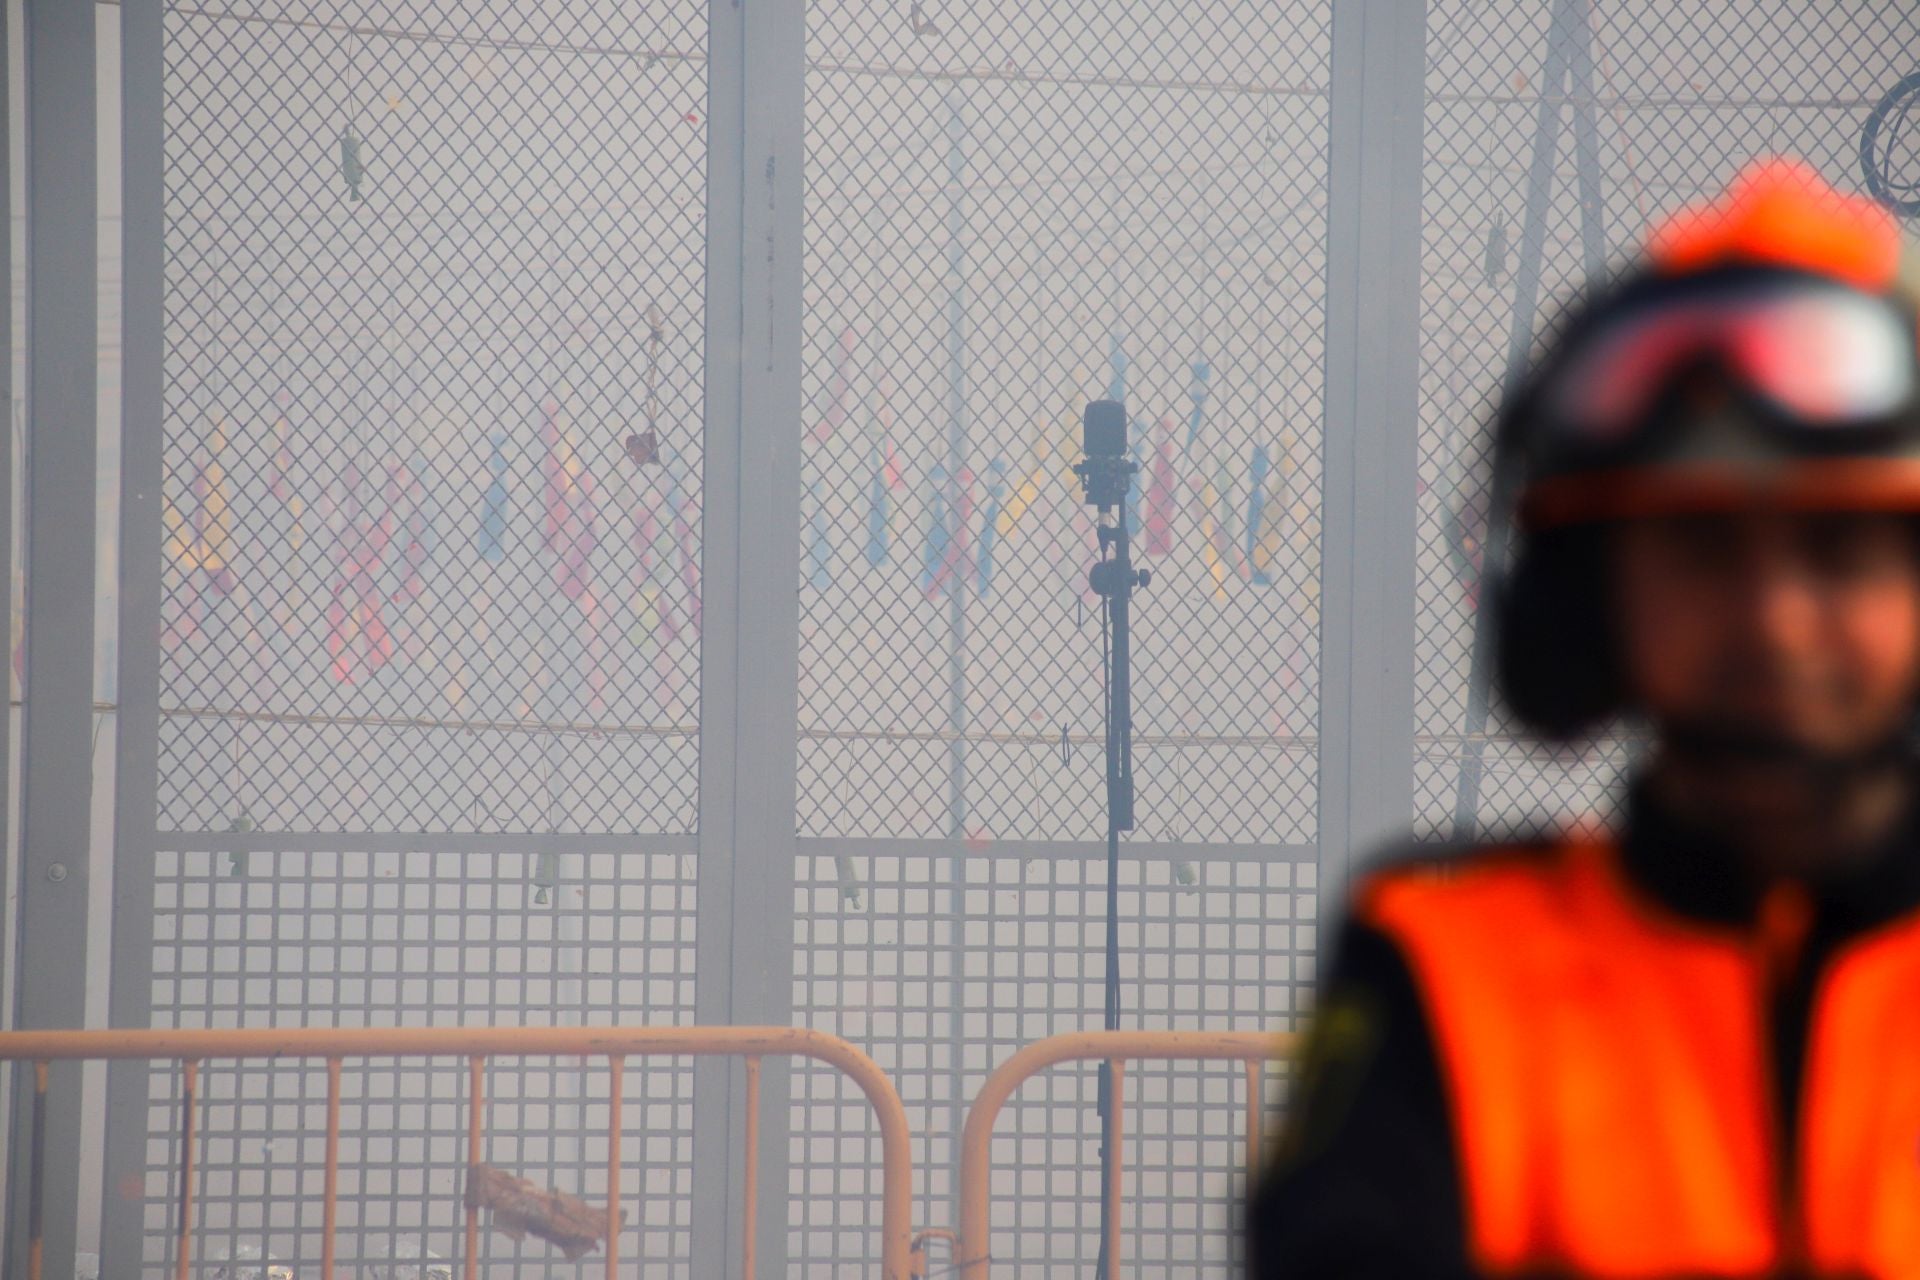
1366, 1182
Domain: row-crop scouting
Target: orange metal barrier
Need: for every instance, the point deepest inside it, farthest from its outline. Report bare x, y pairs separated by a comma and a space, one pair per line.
1116, 1048
615, 1044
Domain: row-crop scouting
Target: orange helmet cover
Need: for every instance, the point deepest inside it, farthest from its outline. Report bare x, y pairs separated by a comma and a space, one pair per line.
1781, 212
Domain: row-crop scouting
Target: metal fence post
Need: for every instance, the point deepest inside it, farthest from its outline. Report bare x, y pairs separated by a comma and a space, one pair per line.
6, 506
62, 271
129, 1001
750, 632
1372, 398
7, 867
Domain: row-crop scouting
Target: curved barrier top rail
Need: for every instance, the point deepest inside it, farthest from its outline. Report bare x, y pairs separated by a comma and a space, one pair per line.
1116, 1048
616, 1044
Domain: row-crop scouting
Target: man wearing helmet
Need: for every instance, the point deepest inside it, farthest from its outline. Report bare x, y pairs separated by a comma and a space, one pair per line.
1691, 1048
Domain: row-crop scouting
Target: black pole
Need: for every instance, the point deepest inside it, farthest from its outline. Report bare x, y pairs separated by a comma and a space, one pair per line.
1107, 475
1119, 715
1120, 580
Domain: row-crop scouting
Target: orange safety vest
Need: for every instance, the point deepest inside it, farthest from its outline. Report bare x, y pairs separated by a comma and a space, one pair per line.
1607, 1067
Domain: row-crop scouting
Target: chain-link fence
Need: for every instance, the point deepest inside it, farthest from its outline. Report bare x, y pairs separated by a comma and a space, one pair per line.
1012, 210
428, 743
435, 282
357, 938
429, 268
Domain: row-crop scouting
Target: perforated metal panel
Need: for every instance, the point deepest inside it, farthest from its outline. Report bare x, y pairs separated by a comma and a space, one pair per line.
1231, 949
363, 937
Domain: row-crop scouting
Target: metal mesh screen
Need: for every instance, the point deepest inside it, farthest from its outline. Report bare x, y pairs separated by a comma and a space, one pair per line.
416, 938
429, 266
1012, 210
1555, 134
434, 348
1229, 944
433, 273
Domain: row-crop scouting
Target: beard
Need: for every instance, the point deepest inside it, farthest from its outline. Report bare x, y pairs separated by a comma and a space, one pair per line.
1724, 745
1796, 808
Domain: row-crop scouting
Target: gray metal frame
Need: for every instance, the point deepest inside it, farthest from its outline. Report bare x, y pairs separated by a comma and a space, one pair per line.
1371, 442
129, 1000
754, 876
138, 836
747, 850
8, 866
749, 691
56, 789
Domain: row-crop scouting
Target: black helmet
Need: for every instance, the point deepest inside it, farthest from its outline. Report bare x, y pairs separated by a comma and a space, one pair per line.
1764, 355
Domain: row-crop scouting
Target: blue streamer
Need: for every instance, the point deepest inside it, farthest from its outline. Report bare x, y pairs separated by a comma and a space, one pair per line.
819, 544
989, 533
493, 505
1202, 374
877, 511
1256, 508
939, 535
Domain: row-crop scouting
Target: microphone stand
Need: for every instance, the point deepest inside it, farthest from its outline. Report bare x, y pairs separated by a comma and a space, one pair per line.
1106, 479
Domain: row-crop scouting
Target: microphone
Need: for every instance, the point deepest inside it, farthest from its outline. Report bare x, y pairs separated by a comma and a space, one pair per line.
1103, 428
1107, 473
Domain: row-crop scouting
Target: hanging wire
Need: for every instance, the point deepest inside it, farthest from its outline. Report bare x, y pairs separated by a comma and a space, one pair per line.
649, 57
1888, 137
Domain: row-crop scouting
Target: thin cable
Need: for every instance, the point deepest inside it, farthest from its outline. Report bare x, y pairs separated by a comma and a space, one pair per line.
1116, 769
1106, 675
432, 37
1016, 76
1013, 75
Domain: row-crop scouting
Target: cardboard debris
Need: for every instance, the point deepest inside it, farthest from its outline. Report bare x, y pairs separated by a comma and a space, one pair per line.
521, 1209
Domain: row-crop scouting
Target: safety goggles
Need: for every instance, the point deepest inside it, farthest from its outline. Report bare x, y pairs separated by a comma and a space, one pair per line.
1829, 363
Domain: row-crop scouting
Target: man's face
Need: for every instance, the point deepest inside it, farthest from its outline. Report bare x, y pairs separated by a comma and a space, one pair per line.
1794, 628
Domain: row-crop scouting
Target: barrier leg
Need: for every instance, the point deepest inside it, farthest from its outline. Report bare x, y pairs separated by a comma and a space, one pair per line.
190, 1077
476, 1095
751, 1207
328, 1210
1253, 1116
1116, 1133
618, 1066
36, 1173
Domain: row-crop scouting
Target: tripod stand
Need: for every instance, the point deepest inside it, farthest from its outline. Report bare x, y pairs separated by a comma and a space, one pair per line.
1106, 475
